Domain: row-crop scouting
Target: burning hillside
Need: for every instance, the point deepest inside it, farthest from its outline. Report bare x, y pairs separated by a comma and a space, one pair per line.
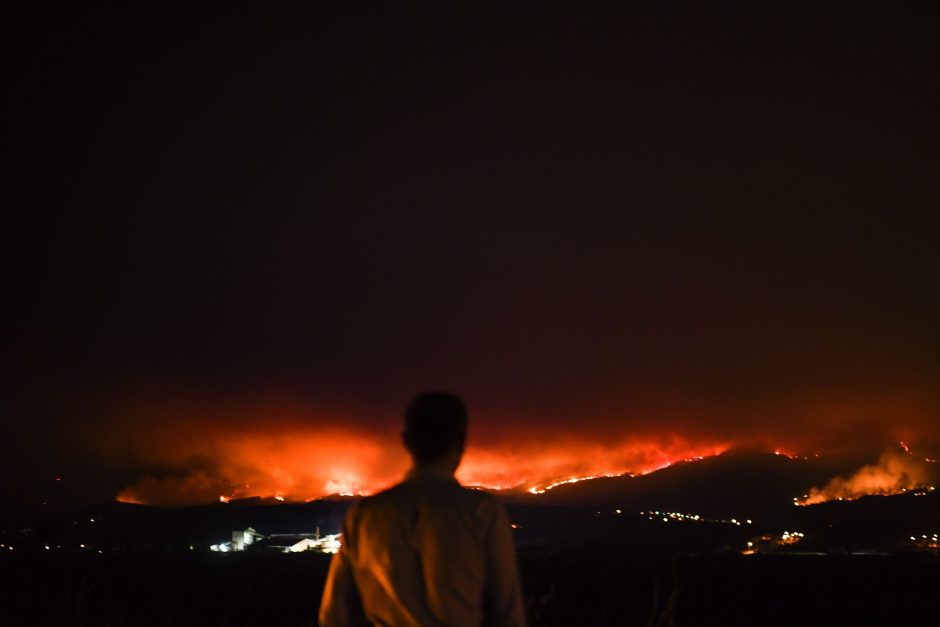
895, 472
211, 452
305, 466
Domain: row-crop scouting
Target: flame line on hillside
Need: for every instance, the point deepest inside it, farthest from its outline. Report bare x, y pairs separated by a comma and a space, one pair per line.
305, 467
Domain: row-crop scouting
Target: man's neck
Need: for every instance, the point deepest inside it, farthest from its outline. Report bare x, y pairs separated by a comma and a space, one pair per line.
430, 471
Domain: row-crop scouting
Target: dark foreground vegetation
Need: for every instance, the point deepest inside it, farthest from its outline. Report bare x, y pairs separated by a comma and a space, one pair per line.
567, 586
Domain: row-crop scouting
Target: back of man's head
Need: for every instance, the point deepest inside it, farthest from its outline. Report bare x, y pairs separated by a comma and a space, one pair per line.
435, 426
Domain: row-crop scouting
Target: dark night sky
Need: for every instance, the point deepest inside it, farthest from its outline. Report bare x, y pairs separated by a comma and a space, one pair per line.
715, 223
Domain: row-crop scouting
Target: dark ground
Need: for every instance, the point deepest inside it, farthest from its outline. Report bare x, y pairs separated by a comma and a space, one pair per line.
579, 566
566, 586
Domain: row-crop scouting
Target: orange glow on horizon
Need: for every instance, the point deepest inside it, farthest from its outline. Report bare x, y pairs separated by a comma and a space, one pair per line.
301, 454
308, 465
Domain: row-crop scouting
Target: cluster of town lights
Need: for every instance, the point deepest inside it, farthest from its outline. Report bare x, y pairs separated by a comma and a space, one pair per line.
768, 543
926, 542
49, 547
678, 516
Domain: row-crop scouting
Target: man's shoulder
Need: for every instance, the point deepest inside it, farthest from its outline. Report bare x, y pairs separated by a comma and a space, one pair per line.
388, 495
485, 503
391, 496
481, 497
452, 492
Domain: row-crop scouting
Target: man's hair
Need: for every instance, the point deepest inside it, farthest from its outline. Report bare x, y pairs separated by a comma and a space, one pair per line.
435, 425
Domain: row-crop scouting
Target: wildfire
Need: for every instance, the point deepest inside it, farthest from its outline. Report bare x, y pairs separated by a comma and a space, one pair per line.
293, 460
894, 473
543, 490
310, 464
632, 458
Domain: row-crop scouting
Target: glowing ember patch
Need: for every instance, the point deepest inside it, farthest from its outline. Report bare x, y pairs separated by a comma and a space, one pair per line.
224, 499
790, 455
345, 487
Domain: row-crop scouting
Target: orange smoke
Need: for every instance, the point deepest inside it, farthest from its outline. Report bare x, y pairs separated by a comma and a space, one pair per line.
305, 463
894, 473
203, 452
301, 465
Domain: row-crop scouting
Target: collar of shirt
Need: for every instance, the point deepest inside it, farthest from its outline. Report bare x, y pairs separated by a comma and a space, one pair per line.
429, 473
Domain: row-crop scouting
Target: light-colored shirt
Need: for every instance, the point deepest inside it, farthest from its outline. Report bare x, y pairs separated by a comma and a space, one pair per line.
426, 552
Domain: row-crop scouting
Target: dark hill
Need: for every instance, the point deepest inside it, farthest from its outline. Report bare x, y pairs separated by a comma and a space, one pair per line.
733, 485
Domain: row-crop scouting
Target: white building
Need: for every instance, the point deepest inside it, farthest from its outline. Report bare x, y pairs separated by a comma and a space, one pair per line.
327, 544
283, 542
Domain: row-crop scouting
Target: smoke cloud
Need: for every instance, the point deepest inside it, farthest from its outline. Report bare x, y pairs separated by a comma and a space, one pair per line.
209, 451
303, 463
895, 472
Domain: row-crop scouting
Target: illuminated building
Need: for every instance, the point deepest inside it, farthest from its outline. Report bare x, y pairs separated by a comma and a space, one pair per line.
279, 542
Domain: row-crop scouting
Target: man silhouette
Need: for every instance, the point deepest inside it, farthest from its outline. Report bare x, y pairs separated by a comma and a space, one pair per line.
427, 551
